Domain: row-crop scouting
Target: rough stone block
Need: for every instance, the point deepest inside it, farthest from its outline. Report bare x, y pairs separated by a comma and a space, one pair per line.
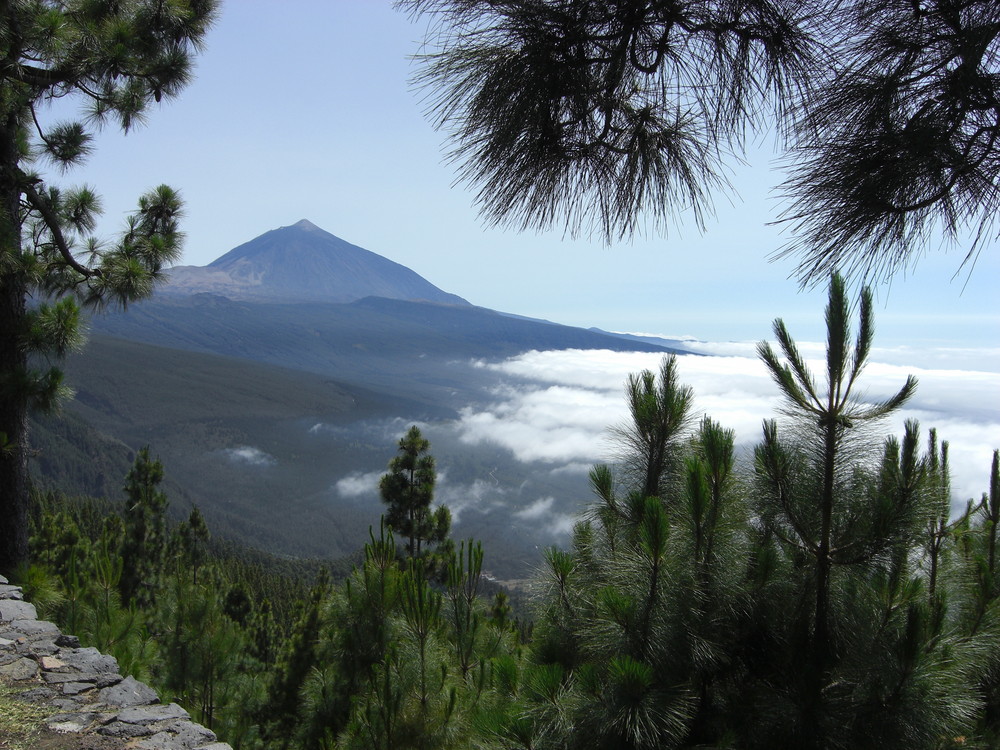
89, 660
36, 695
74, 722
11, 610
75, 688
22, 669
152, 714
184, 735
66, 705
52, 664
10, 592
157, 742
128, 692
57, 678
40, 648
36, 630
125, 731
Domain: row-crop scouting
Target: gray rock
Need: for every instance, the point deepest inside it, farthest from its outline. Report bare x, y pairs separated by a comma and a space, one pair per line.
193, 735
151, 714
215, 746
128, 692
70, 725
182, 736
79, 721
97, 680
68, 641
3, 580
22, 669
89, 660
158, 741
75, 688
36, 630
107, 680
41, 648
125, 731
10, 592
57, 678
66, 705
36, 695
11, 610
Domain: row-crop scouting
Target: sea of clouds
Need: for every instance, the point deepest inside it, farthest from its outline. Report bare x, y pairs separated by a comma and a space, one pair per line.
557, 406
554, 411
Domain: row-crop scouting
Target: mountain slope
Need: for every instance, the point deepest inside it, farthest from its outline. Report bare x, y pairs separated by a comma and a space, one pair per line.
233, 435
262, 449
302, 262
413, 349
275, 409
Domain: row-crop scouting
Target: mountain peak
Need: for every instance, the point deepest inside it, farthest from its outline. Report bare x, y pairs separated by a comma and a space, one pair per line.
306, 225
303, 262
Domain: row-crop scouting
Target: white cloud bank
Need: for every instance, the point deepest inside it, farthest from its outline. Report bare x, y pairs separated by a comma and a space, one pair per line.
247, 454
559, 404
483, 495
358, 485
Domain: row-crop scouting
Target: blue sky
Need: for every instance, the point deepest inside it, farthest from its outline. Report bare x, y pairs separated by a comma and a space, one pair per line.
304, 110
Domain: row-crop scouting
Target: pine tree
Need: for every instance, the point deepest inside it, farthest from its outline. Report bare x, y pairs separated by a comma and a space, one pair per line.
408, 490
784, 603
190, 542
283, 712
117, 58
145, 540
611, 115
812, 520
659, 409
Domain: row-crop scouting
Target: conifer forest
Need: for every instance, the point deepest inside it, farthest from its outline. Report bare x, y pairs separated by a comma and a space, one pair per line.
823, 590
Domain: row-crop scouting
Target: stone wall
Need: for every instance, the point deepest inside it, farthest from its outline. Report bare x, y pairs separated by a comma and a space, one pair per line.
82, 687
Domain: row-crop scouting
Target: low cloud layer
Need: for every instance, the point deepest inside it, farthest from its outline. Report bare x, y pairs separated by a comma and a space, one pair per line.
556, 406
544, 512
247, 454
546, 517
516, 468
358, 485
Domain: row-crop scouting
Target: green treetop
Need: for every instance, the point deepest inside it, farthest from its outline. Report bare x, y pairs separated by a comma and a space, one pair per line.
408, 490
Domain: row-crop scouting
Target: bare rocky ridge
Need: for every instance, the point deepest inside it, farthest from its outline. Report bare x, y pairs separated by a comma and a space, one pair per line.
83, 689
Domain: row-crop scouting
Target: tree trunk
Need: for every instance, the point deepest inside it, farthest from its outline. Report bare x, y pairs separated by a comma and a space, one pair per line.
13, 365
822, 648
822, 625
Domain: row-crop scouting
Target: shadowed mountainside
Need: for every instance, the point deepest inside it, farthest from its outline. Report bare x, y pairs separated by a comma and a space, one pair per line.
400, 348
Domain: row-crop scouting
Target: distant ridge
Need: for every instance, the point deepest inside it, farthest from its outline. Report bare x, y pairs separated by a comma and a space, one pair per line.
303, 263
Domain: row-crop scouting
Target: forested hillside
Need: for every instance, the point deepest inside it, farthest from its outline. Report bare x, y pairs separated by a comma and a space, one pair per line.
820, 595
